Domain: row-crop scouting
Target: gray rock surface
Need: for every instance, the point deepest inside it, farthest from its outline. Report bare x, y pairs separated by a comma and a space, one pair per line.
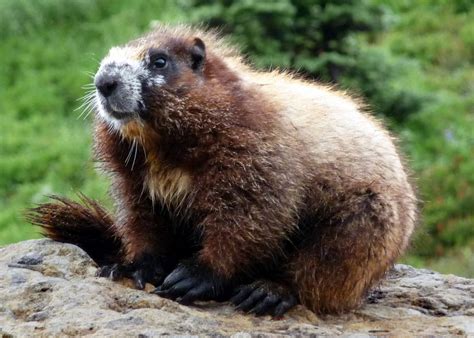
49, 289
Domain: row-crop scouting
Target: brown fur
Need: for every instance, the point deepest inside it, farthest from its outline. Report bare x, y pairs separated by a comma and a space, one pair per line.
88, 226
258, 170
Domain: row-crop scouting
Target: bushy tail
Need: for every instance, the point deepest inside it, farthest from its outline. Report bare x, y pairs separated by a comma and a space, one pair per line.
86, 225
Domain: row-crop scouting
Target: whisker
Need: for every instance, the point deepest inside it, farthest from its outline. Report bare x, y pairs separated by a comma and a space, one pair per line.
88, 73
90, 109
93, 57
89, 92
87, 107
88, 86
136, 151
129, 153
86, 100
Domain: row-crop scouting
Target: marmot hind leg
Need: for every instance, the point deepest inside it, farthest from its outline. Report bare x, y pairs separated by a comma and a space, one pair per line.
344, 258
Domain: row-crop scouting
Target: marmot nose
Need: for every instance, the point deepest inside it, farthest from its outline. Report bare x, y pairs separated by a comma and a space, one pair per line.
106, 84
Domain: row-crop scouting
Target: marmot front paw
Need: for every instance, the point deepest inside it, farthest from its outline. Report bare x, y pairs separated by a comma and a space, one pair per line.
147, 269
190, 282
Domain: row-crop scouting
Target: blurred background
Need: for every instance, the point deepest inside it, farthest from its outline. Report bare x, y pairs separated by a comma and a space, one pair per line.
412, 60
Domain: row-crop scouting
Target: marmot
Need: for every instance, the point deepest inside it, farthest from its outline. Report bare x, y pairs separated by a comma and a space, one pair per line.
235, 184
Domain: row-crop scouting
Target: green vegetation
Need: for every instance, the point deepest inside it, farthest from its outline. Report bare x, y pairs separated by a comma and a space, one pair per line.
320, 38
413, 60
439, 138
49, 49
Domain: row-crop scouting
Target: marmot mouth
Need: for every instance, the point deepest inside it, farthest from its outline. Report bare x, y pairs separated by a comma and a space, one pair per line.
120, 115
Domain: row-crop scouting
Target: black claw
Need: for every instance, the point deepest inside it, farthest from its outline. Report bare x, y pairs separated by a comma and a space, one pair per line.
147, 269
190, 281
264, 298
242, 293
160, 292
284, 306
185, 285
266, 306
165, 294
110, 271
103, 271
180, 288
177, 275
197, 293
116, 272
251, 300
139, 279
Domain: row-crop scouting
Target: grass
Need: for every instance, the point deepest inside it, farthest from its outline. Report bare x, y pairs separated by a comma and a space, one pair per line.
48, 49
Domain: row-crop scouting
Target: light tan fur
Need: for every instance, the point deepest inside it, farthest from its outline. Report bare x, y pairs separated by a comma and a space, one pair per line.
164, 183
170, 185
337, 131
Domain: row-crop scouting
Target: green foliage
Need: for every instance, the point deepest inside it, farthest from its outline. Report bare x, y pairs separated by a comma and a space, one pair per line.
49, 48
440, 137
388, 81
320, 38
311, 35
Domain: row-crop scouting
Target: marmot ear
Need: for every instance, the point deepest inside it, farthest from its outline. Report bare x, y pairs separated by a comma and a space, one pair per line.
198, 54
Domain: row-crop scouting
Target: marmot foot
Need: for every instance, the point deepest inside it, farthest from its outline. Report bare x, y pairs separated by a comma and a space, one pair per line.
190, 282
264, 297
144, 270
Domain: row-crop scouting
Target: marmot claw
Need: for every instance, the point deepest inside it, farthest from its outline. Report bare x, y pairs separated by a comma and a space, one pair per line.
263, 298
190, 282
144, 270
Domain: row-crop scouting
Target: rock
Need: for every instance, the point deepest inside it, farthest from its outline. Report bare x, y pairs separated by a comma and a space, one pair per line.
50, 289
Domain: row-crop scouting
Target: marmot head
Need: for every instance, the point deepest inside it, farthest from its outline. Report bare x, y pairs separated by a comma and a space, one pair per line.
149, 77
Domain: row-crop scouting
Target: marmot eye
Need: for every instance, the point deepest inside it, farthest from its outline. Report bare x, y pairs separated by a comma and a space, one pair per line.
160, 62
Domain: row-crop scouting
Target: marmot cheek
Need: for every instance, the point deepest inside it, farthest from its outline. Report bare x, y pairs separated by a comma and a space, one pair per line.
156, 81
